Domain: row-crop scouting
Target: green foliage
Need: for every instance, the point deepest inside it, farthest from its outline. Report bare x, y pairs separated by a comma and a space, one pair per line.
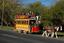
42, 11
52, 15
8, 9
7, 28
36, 7
57, 12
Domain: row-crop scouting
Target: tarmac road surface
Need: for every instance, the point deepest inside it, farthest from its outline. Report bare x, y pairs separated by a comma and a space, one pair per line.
12, 37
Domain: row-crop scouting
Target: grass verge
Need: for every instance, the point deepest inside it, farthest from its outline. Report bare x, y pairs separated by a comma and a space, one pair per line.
7, 28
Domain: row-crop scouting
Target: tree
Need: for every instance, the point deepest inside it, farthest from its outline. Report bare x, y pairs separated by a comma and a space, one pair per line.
8, 9
36, 7
42, 11
57, 12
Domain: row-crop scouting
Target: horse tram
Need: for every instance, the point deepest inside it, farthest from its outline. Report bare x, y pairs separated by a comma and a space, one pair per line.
26, 24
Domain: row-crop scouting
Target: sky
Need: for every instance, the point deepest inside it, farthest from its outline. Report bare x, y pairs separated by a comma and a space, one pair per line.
44, 2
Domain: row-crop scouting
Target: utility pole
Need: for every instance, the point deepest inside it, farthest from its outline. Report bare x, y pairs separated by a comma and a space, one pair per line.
2, 12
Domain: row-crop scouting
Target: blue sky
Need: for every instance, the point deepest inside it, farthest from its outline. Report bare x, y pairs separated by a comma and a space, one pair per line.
44, 2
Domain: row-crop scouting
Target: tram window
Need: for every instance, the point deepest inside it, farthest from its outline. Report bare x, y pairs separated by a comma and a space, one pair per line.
32, 22
18, 22
24, 22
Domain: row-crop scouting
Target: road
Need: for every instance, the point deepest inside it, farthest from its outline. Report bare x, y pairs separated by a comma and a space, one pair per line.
12, 37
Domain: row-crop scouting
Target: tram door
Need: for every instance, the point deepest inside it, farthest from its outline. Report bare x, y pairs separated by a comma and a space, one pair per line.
33, 27
32, 23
